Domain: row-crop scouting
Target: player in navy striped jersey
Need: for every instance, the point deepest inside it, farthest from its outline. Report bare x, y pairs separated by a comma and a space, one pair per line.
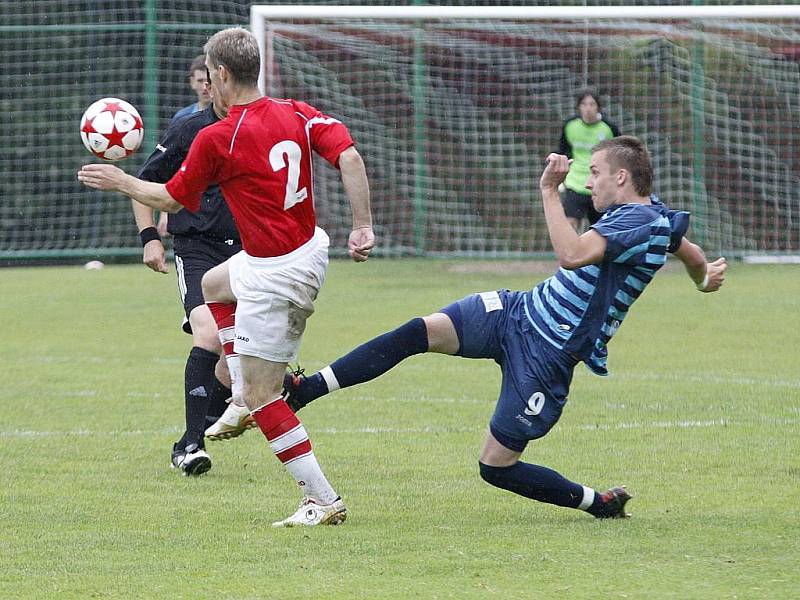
539, 336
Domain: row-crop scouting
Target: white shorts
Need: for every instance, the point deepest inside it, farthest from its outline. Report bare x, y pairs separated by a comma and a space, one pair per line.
274, 298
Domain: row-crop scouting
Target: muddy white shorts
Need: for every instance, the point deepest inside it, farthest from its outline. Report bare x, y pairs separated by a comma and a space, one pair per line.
275, 296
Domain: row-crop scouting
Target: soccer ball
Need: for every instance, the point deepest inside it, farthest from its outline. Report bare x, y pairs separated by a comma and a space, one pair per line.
111, 129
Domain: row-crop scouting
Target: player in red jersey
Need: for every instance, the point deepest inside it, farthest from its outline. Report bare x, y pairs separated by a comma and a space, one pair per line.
260, 155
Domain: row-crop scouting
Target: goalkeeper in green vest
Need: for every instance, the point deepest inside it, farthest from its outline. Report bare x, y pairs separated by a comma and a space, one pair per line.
579, 135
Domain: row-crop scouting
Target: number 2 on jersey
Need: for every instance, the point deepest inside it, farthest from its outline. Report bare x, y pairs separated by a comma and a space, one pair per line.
288, 153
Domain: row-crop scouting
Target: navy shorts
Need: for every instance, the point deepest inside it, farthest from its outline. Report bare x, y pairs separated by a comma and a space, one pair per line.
579, 206
536, 375
194, 255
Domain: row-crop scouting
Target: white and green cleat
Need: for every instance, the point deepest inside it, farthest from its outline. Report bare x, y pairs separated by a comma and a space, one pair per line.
310, 513
233, 423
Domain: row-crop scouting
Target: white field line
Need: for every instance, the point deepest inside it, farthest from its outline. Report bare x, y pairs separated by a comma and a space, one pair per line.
680, 378
416, 366
711, 379
621, 374
436, 430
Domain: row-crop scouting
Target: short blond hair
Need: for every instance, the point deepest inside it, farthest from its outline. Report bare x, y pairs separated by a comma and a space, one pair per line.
237, 49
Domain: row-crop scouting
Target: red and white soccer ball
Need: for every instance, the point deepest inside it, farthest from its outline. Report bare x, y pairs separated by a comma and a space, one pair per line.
111, 129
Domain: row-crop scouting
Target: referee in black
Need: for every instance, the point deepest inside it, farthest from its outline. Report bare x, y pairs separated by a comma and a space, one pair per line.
202, 240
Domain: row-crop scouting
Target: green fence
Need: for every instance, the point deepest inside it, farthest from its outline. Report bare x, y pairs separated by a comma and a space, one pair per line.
452, 119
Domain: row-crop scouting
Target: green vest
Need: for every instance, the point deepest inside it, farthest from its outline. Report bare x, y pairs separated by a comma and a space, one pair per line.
582, 137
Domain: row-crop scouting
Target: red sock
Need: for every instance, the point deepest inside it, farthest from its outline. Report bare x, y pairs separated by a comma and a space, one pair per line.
283, 430
225, 316
289, 441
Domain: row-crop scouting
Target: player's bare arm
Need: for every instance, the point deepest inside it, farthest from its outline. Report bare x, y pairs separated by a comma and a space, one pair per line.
707, 276
356, 185
153, 254
572, 250
162, 225
113, 179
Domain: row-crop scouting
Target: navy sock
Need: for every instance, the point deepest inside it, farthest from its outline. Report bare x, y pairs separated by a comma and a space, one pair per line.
198, 383
218, 401
370, 360
535, 482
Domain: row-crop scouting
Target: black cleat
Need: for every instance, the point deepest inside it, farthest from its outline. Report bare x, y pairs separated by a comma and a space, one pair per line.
614, 501
292, 381
191, 461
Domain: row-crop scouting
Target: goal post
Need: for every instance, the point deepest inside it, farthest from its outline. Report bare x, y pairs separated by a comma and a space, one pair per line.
454, 108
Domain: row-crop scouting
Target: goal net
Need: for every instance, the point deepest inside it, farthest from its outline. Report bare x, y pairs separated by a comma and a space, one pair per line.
58, 57
454, 110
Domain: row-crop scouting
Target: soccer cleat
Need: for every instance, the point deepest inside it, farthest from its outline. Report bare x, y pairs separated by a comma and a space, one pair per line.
292, 381
233, 423
614, 501
309, 513
191, 461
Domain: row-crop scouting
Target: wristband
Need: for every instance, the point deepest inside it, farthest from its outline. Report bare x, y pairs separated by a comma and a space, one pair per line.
703, 284
148, 234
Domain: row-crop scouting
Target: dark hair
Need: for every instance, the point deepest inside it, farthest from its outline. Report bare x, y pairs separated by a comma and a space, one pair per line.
629, 153
583, 94
198, 64
237, 49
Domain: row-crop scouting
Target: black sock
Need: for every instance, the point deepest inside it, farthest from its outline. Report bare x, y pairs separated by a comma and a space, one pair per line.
535, 482
198, 382
218, 401
368, 361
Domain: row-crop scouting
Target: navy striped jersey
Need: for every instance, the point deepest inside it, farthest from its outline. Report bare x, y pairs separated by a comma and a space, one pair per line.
580, 310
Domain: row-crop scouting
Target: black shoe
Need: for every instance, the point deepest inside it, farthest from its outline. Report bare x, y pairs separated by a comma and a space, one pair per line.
614, 501
191, 460
292, 381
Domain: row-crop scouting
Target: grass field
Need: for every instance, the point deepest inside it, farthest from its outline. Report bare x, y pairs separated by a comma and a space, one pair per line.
699, 418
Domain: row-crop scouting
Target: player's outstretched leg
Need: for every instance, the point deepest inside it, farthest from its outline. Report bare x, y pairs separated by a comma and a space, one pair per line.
500, 466
546, 485
365, 363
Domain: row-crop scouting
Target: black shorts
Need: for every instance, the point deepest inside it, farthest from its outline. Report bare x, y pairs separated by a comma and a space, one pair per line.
579, 206
194, 255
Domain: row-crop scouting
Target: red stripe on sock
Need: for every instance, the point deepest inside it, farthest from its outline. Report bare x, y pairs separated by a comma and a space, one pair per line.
224, 314
225, 317
275, 419
300, 449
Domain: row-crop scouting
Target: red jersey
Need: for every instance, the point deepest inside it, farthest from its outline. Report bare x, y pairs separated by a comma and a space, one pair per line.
260, 155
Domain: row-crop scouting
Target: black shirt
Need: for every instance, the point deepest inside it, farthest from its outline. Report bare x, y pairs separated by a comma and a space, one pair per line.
214, 219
